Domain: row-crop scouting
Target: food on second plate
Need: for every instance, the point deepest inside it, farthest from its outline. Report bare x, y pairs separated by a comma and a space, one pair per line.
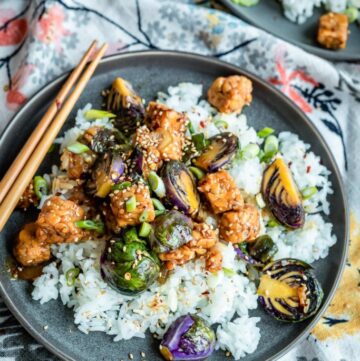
333, 31
165, 217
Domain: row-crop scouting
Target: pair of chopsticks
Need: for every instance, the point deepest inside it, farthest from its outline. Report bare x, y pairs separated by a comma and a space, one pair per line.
25, 165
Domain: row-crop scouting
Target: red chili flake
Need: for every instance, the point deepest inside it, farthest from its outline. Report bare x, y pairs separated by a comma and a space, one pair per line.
308, 169
205, 293
289, 164
202, 124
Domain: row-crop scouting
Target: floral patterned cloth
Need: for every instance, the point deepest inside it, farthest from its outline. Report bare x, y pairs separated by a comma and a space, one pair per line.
40, 39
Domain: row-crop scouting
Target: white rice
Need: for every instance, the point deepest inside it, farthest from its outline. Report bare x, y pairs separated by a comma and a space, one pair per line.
224, 298
299, 11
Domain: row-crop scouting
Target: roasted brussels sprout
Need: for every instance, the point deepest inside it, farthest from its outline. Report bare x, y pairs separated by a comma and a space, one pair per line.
281, 194
180, 187
106, 140
108, 170
243, 253
289, 291
127, 105
263, 249
170, 231
127, 265
220, 150
188, 338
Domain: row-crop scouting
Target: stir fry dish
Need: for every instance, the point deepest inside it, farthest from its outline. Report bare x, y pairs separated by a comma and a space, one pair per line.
163, 211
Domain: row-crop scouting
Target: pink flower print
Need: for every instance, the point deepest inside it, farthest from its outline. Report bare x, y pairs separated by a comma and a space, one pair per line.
14, 96
15, 31
285, 80
50, 28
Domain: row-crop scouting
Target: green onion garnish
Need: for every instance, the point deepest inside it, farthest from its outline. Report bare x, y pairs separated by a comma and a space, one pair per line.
308, 192
249, 152
200, 141
197, 172
121, 186
40, 186
98, 114
264, 132
352, 13
191, 128
90, 225
145, 229
71, 276
156, 184
78, 148
130, 204
228, 272
273, 223
158, 205
144, 216
221, 124
271, 145
246, 2
159, 212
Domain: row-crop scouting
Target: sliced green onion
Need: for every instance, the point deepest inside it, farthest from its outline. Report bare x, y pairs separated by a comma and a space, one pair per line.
246, 2
98, 114
90, 225
191, 128
200, 141
352, 13
249, 152
145, 229
271, 145
308, 192
157, 184
40, 186
221, 124
144, 216
71, 276
130, 204
228, 272
78, 148
121, 186
197, 172
159, 212
158, 205
260, 200
264, 132
273, 223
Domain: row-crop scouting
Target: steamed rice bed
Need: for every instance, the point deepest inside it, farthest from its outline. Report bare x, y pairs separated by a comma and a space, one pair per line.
229, 297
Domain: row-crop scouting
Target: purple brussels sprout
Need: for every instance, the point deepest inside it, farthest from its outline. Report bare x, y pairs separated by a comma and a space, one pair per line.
220, 150
188, 338
180, 187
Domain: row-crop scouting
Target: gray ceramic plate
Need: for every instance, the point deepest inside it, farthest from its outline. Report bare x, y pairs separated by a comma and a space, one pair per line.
151, 72
268, 15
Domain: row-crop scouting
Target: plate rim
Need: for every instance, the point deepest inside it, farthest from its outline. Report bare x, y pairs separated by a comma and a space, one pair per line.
318, 51
41, 337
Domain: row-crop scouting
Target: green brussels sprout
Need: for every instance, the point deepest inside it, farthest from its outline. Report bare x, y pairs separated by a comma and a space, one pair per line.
263, 249
170, 231
127, 265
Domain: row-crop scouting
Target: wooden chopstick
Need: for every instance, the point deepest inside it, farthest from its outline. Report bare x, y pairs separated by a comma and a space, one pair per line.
11, 199
25, 153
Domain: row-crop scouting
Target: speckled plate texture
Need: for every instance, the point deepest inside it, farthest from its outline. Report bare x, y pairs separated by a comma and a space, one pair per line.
151, 72
268, 15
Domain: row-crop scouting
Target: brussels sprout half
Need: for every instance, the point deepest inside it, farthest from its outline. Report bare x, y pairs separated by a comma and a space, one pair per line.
289, 291
127, 266
220, 150
170, 231
180, 187
281, 194
188, 338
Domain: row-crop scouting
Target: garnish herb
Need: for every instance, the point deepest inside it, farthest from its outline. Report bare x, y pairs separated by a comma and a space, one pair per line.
78, 148
40, 186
